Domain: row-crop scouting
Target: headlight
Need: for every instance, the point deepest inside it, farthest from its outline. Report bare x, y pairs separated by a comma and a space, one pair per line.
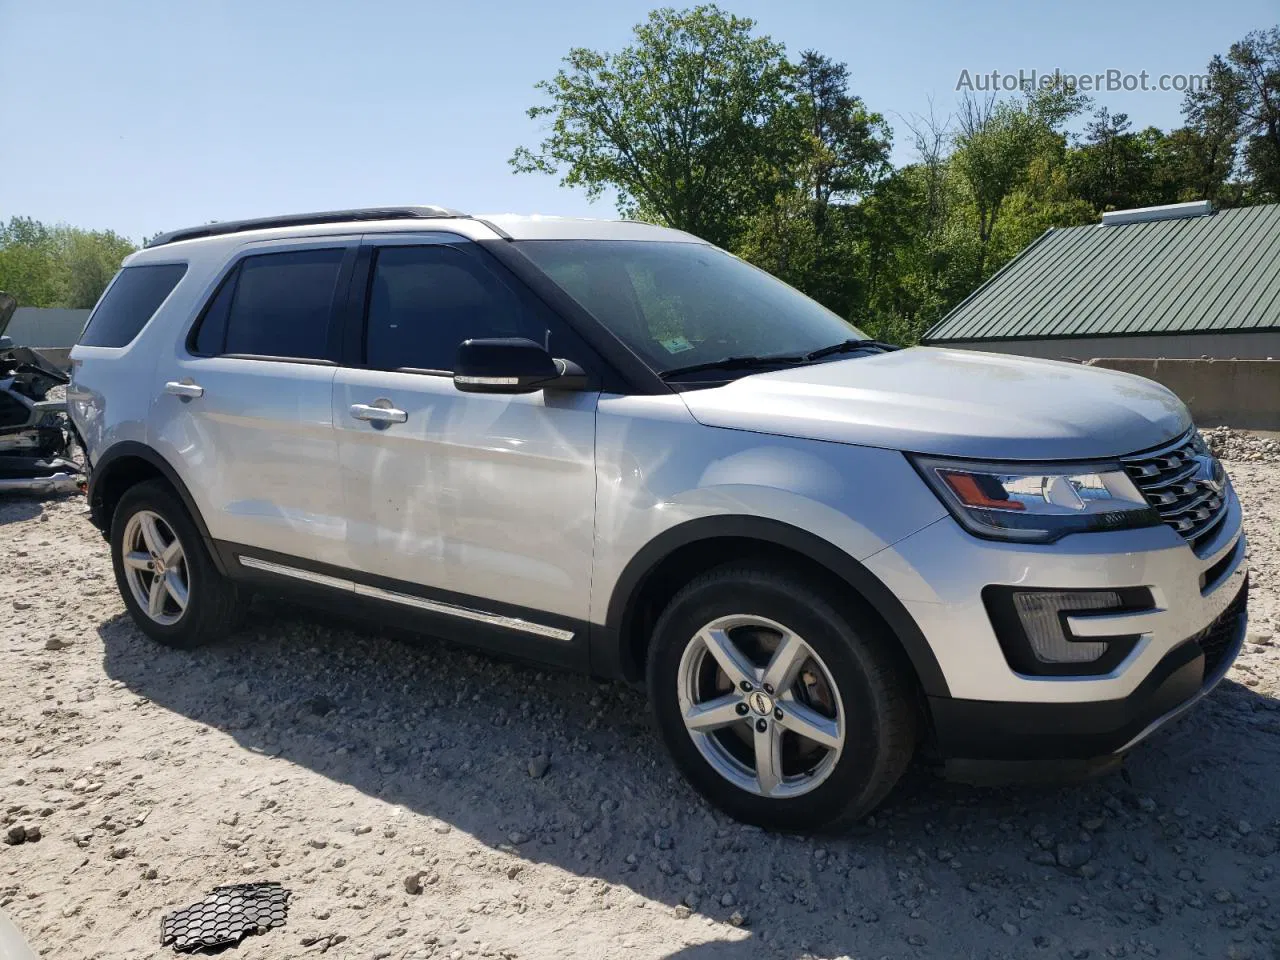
1037, 503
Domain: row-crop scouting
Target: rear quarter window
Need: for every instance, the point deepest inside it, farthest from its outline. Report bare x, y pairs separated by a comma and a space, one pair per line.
130, 301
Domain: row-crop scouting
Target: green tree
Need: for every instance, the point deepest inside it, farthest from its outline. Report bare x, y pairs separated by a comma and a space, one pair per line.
703, 125
848, 145
89, 261
59, 266
1113, 168
28, 262
809, 233
681, 123
1207, 148
919, 248
782, 239
1230, 147
995, 146
1255, 61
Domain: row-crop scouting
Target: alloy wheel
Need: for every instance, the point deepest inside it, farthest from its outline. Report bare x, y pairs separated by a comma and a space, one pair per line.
155, 567
761, 706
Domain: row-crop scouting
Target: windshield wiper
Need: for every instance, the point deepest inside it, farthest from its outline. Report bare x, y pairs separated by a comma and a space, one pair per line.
847, 346
734, 363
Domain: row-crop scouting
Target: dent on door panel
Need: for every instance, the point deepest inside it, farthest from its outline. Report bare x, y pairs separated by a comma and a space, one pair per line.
261, 442
483, 495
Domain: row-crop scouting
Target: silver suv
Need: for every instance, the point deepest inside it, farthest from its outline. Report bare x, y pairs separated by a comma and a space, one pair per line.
612, 447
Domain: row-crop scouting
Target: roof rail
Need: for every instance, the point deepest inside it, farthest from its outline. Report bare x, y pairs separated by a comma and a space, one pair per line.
304, 220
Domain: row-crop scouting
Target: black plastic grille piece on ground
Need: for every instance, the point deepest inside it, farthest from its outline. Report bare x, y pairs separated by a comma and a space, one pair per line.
226, 917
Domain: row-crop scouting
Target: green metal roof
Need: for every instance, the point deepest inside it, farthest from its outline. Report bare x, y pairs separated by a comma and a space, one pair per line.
1213, 273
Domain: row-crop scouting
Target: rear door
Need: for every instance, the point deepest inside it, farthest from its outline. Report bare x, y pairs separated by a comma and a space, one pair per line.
483, 501
244, 403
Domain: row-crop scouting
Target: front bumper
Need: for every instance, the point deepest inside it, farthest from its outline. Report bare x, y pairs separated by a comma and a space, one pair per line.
996, 730
988, 710
940, 572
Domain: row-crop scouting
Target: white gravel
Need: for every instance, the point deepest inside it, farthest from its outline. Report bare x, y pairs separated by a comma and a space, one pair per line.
1243, 445
422, 801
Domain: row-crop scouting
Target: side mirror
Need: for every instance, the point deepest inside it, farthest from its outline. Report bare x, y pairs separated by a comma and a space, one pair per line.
512, 365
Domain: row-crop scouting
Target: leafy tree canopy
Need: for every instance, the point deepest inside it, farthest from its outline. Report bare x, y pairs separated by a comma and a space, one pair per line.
682, 123
703, 124
58, 266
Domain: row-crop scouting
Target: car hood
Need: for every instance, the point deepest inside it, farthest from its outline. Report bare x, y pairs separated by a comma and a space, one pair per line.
952, 403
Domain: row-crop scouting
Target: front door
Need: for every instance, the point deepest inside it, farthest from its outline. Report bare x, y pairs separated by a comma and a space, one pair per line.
484, 501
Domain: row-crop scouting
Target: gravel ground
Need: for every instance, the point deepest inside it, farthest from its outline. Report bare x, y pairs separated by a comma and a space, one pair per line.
422, 801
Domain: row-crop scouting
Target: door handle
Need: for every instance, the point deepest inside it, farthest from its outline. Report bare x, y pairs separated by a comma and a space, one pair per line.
376, 414
184, 389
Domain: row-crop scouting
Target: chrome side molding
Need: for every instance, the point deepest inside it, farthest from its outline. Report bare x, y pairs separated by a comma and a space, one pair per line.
310, 576
408, 600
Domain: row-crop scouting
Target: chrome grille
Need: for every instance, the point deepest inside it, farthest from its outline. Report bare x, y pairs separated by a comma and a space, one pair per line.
1185, 483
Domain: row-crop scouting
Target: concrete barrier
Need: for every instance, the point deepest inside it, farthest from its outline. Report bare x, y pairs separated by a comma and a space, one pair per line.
1236, 393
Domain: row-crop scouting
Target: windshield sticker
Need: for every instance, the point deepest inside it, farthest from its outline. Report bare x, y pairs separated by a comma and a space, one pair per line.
676, 345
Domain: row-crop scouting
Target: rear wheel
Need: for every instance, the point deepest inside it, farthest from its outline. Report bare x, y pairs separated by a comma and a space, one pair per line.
168, 581
783, 709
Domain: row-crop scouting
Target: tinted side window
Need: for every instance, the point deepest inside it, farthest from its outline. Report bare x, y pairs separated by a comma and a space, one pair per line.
424, 301
282, 304
212, 334
130, 302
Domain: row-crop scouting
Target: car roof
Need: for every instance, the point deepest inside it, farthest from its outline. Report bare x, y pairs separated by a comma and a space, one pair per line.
538, 227
219, 237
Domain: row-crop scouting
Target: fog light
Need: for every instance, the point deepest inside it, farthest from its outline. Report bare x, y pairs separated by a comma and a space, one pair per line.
1044, 623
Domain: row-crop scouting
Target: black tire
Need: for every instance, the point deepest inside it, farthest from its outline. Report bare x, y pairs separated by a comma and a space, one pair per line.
873, 685
215, 605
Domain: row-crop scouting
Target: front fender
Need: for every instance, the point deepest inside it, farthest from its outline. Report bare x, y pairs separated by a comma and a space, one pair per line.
664, 480
763, 530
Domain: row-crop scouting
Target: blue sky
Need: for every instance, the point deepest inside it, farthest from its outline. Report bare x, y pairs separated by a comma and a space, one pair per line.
144, 116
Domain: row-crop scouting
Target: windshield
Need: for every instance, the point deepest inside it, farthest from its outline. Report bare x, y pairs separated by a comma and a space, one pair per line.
678, 305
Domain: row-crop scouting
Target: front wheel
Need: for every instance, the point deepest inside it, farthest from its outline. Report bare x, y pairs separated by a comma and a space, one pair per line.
166, 577
780, 707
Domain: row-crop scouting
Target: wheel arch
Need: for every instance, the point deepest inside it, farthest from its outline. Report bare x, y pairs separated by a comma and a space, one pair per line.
672, 558
126, 464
